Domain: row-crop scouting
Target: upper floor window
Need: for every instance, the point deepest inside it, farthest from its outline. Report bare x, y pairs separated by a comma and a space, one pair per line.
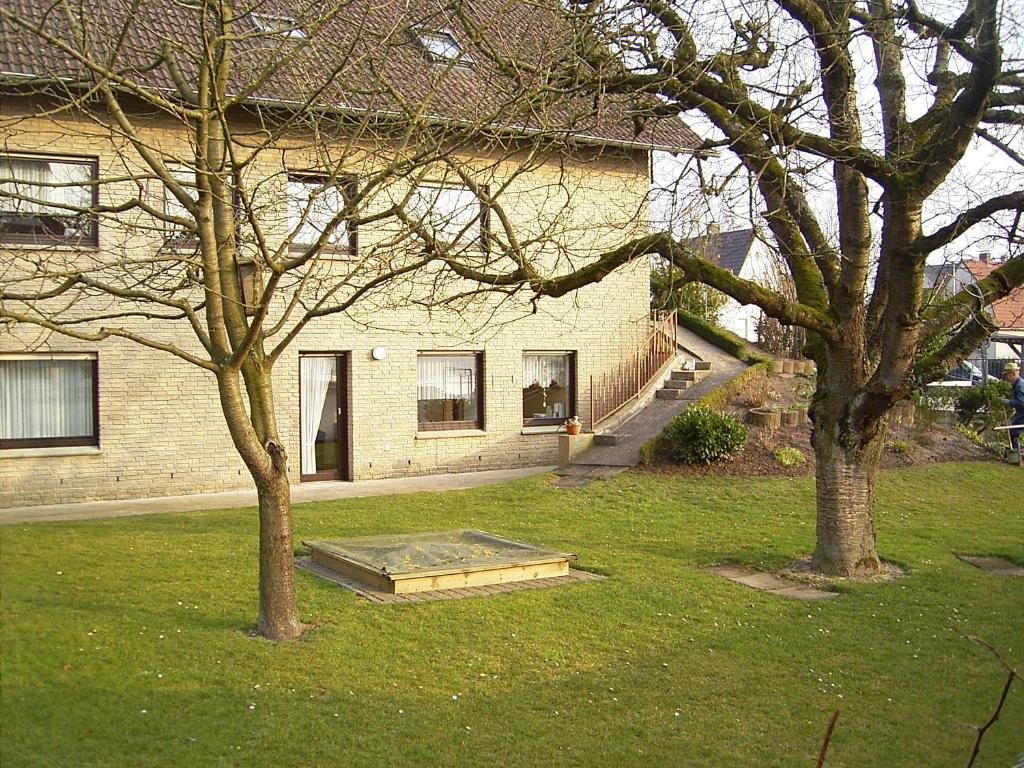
549, 387
179, 233
314, 202
48, 400
46, 201
441, 46
285, 26
450, 213
449, 390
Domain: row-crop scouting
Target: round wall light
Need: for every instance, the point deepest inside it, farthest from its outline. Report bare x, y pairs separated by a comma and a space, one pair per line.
379, 353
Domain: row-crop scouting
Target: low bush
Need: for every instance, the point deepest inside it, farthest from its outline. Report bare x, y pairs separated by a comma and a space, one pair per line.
719, 397
700, 435
758, 392
721, 338
901, 446
984, 403
970, 433
790, 457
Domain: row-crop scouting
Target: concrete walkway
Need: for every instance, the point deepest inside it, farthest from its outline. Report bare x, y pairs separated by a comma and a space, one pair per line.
653, 417
89, 510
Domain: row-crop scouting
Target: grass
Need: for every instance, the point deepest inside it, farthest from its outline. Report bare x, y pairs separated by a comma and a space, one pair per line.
123, 641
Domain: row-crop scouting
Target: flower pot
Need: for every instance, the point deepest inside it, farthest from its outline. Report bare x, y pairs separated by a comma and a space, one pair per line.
573, 429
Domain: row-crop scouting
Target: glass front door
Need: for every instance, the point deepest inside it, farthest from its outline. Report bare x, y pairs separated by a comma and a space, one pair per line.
322, 399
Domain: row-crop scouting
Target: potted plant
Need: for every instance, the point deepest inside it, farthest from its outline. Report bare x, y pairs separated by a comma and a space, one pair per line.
573, 425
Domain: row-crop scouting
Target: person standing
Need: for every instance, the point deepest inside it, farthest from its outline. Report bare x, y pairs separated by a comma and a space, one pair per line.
1011, 372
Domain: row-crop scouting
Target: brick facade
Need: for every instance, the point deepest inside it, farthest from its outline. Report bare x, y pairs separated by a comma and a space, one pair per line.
161, 428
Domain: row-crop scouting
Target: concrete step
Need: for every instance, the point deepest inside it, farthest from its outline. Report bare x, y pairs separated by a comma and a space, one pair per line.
688, 375
610, 439
702, 365
678, 383
670, 394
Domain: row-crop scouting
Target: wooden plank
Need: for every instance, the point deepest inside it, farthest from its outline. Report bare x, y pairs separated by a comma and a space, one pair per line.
501, 575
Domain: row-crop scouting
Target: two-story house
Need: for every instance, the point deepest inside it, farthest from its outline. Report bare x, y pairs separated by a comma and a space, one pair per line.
423, 373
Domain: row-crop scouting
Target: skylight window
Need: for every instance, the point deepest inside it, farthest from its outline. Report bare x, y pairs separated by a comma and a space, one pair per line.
440, 45
285, 26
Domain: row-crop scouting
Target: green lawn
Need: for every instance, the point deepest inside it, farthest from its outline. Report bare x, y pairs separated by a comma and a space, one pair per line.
123, 641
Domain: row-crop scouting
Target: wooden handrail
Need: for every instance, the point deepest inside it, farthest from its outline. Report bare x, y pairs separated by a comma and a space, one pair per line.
611, 390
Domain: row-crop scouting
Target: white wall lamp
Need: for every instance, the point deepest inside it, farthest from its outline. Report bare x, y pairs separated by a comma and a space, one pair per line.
379, 353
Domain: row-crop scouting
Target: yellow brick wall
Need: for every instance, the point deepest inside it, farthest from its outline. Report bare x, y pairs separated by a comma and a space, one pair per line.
161, 428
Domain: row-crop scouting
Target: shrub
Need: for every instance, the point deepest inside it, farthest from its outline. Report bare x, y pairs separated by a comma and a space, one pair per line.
758, 392
984, 402
720, 337
900, 446
779, 339
700, 435
969, 433
719, 397
790, 457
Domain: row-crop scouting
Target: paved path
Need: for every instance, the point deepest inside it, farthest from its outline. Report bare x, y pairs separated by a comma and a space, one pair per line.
89, 510
653, 417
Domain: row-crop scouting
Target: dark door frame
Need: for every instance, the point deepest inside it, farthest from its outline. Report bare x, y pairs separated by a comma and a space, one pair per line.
343, 469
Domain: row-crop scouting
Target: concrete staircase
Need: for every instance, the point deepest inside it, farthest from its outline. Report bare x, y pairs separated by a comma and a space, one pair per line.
680, 381
705, 367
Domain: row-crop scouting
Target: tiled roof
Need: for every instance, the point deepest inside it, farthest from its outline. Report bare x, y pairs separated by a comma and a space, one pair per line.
1008, 311
363, 61
727, 249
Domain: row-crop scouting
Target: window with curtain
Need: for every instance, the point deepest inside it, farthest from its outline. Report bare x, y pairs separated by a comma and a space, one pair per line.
549, 387
48, 400
313, 202
46, 200
449, 390
452, 214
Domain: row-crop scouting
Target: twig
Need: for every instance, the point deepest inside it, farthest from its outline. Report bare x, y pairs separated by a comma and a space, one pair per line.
1011, 673
828, 738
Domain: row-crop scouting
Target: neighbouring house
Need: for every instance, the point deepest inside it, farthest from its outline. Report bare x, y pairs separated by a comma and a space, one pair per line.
1008, 342
397, 385
745, 253
948, 278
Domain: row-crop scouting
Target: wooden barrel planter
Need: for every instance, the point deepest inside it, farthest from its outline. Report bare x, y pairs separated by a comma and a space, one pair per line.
794, 418
803, 367
764, 417
787, 366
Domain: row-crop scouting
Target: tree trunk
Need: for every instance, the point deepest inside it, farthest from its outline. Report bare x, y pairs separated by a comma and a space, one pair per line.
845, 483
268, 464
278, 615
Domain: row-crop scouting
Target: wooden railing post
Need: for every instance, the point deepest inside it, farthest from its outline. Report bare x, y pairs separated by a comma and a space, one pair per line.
593, 417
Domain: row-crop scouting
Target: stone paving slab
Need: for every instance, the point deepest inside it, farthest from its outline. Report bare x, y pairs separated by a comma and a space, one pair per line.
765, 581
377, 596
1000, 566
768, 582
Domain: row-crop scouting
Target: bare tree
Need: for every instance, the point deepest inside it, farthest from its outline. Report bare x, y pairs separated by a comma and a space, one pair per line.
846, 117
202, 112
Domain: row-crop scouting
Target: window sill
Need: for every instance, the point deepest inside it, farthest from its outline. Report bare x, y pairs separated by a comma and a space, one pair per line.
66, 450
542, 429
437, 434
56, 246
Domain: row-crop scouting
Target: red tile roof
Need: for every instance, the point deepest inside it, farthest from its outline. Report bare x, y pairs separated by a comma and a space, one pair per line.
1008, 311
365, 60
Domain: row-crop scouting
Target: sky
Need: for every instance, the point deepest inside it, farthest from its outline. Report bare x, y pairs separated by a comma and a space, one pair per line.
984, 171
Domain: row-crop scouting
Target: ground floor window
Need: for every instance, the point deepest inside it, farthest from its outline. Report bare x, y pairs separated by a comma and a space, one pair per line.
549, 387
48, 400
449, 390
